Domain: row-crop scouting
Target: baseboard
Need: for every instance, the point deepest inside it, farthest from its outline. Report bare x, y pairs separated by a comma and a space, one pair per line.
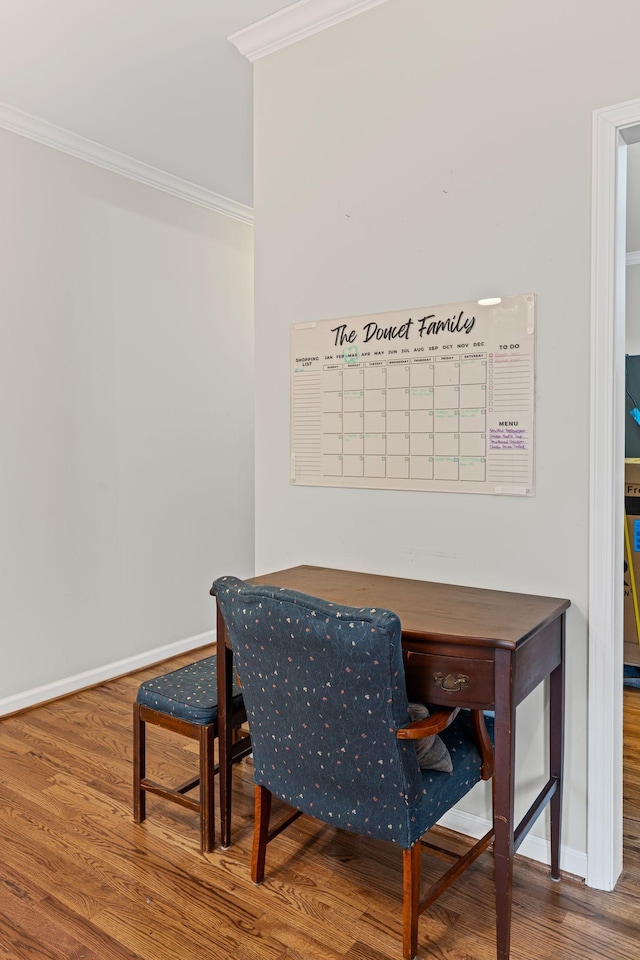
535, 848
79, 681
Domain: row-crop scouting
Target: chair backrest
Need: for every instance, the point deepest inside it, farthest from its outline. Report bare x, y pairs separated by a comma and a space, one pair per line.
324, 689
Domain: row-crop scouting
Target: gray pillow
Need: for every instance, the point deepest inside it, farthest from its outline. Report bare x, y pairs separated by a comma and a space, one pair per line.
432, 751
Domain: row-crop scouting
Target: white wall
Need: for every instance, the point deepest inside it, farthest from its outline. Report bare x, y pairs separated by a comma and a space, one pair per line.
427, 153
126, 418
633, 246
632, 309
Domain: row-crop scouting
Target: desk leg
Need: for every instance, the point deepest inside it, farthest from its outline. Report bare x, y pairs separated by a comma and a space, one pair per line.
556, 753
225, 673
503, 797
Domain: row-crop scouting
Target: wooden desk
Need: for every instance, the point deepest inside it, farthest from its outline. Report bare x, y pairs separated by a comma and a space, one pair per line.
484, 649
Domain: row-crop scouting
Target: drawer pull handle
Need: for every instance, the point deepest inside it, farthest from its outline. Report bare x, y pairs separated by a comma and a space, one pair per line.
451, 684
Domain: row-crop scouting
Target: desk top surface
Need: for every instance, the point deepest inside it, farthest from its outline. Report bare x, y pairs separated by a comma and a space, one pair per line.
427, 610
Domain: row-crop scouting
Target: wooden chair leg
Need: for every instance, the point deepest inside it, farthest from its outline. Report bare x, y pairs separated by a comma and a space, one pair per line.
262, 813
139, 765
207, 789
410, 908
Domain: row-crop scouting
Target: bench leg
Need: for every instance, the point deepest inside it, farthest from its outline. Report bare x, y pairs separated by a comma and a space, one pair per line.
139, 765
207, 788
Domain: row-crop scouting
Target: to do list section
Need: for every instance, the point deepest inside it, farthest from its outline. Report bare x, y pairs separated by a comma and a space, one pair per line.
439, 398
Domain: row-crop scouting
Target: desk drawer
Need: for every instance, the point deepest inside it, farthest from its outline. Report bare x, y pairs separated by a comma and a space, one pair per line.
456, 681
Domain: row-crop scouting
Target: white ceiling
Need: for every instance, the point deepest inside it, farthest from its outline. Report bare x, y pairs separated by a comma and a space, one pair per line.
156, 80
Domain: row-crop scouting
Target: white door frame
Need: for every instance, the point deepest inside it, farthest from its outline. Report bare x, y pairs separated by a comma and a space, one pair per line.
613, 128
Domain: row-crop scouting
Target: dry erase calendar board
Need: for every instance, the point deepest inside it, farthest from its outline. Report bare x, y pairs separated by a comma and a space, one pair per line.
437, 398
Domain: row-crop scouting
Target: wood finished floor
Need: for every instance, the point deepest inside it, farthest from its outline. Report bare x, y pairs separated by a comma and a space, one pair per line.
80, 881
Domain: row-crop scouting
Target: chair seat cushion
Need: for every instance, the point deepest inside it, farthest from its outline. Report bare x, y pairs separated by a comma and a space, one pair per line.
189, 693
442, 790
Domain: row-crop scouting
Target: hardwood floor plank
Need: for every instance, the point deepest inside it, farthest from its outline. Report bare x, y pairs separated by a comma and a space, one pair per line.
36, 926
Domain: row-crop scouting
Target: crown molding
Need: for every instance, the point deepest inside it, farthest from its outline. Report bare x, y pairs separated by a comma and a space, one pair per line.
633, 258
60, 139
296, 22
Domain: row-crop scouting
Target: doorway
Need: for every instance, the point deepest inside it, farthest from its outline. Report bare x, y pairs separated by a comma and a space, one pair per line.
613, 129
631, 628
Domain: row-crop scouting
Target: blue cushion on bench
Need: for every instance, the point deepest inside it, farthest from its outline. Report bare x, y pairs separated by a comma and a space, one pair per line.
190, 693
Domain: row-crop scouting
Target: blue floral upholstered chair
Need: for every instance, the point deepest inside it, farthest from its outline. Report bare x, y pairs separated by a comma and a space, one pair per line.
324, 690
185, 701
